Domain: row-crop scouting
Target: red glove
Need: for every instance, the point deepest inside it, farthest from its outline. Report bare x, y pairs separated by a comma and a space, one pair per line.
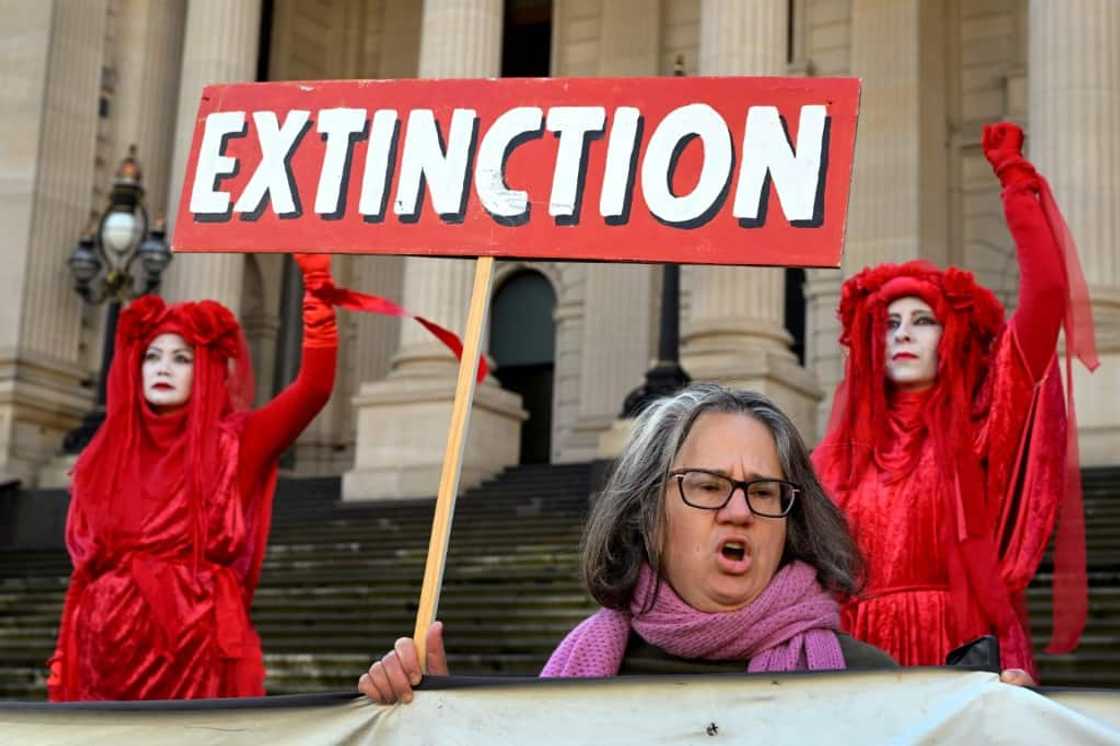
319, 326
1003, 147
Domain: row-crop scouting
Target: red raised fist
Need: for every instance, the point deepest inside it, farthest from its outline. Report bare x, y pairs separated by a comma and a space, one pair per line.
1003, 147
1002, 138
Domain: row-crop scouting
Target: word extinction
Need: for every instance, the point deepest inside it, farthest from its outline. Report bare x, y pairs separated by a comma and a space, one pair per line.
445, 159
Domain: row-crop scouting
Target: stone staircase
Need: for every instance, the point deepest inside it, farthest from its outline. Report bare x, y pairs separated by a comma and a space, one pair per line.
1097, 660
341, 582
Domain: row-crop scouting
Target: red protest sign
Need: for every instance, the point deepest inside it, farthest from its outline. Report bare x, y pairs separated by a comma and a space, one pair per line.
687, 170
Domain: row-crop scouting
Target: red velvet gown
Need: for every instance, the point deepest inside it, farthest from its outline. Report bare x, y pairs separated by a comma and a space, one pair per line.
139, 621
897, 514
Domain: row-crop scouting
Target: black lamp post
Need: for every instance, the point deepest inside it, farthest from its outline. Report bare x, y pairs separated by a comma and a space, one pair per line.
103, 268
666, 376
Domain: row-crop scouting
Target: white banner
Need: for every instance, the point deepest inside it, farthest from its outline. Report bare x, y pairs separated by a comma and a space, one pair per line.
910, 706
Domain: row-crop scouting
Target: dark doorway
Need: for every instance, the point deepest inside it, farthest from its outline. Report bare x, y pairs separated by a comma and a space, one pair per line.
527, 39
795, 310
523, 345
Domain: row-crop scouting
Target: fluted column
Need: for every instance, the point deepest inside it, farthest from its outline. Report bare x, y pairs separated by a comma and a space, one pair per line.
378, 336
735, 332
823, 354
459, 39
220, 46
402, 421
617, 323
439, 289
618, 338
145, 50
1074, 107
898, 208
149, 43
53, 53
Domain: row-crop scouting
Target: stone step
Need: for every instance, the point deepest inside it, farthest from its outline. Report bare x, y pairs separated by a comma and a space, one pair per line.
33, 653
480, 573
23, 682
341, 582
531, 607
328, 527
345, 550
463, 563
328, 636
398, 616
351, 592
348, 667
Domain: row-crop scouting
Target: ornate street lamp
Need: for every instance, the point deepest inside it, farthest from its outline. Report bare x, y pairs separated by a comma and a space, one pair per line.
667, 376
103, 266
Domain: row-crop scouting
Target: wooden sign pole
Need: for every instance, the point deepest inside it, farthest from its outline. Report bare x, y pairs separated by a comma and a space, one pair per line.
453, 456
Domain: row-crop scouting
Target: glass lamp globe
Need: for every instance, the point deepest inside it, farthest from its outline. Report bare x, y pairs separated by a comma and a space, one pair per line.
84, 263
154, 254
118, 232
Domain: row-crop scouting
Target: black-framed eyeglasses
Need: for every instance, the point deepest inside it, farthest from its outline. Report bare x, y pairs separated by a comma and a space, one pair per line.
770, 498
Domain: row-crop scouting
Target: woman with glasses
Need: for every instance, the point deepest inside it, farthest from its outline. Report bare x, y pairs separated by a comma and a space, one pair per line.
948, 444
711, 548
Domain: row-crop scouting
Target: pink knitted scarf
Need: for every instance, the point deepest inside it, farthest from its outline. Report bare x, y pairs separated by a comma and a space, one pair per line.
790, 626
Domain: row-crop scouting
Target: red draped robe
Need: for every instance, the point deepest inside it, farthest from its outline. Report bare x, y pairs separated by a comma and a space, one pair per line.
140, 620
898, 515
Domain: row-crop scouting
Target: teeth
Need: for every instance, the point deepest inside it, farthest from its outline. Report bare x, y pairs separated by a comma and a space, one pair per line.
735, 550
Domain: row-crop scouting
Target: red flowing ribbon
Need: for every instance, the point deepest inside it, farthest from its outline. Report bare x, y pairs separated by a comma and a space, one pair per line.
355, 301
1071, 586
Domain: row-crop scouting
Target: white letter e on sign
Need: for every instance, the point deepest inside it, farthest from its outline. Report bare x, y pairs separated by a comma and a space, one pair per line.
206, 201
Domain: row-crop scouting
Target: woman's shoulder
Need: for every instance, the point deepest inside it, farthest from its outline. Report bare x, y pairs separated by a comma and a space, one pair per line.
860, 656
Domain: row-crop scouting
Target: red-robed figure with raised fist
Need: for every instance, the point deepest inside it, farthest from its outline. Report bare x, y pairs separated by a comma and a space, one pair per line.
949, 447
171, 503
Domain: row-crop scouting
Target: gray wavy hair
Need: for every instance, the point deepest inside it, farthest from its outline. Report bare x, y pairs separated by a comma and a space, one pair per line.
627, 520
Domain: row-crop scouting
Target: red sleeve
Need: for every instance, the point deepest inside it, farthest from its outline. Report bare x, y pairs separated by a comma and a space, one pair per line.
1018, 434
1042, 281
275, 426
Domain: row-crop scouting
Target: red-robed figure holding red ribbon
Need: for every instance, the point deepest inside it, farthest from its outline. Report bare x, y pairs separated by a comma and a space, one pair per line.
949, 447
171, 503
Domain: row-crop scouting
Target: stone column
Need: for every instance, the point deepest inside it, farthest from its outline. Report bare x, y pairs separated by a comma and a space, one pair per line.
633, 38
148, 54
144, 54
1074, 105
823, 354
458, 39
402, 421
618, 339
618, 346
734, 333
220, 46
899, 202
50, 74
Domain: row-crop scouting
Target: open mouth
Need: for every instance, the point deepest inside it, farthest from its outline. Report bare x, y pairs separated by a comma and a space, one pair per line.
734, 550
163, 387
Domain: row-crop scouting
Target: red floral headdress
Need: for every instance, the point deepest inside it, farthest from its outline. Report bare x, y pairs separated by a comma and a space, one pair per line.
971, 319
105, 484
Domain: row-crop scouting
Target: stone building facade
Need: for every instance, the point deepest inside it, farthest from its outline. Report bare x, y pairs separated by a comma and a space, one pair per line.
83, 79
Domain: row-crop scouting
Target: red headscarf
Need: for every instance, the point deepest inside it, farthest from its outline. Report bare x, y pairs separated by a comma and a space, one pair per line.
971, 319
139, 457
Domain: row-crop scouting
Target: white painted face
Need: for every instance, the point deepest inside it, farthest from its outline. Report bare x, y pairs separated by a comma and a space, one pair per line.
913, 333
721, 560
167, 371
